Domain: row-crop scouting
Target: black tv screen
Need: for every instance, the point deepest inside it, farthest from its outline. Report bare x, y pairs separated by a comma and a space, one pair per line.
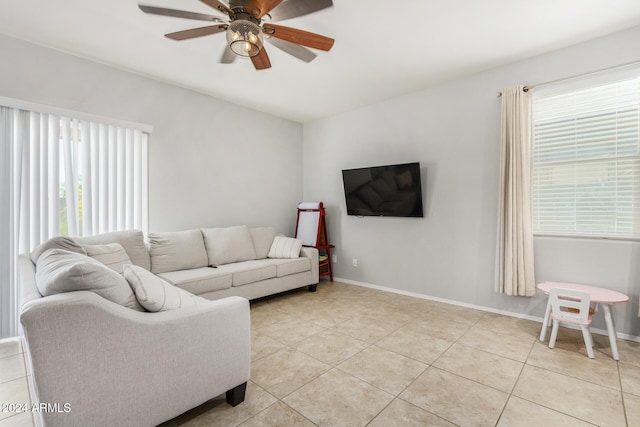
392, 190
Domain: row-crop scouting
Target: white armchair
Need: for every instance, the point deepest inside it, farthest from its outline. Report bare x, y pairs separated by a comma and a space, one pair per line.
117, 366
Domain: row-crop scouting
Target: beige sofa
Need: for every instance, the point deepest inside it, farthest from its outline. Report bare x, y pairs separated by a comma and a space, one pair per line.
104, 363
220, 262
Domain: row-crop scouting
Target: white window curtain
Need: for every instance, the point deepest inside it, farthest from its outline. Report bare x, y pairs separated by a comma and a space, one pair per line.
514, 257
63, 176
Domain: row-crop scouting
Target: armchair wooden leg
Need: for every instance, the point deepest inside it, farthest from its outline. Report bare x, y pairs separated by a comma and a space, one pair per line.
235, 396
312, 288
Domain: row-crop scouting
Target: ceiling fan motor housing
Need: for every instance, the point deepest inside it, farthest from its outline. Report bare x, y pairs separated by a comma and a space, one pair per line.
244, 35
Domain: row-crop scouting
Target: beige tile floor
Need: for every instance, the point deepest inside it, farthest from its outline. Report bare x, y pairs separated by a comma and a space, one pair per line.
353, 356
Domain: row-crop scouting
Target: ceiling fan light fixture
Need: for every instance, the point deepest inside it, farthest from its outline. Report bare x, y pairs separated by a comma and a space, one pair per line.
244, 38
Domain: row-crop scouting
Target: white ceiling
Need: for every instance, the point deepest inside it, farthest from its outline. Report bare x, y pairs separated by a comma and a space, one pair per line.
383, 48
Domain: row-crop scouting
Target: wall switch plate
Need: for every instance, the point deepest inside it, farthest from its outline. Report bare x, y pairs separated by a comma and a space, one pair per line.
334, 259
355, 262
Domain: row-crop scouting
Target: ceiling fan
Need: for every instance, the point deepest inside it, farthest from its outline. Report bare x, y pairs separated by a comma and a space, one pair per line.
247, 24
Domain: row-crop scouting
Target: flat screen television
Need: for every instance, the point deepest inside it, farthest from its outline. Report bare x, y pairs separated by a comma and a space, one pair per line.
392, 190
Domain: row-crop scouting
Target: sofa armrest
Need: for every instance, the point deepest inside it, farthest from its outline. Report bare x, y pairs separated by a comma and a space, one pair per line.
124, 367
27, 270
312, 253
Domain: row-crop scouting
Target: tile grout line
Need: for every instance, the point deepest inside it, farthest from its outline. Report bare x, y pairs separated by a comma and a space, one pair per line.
515, 383
550, 369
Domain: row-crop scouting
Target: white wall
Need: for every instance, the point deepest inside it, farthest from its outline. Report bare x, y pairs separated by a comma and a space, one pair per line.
453, 131
206, 168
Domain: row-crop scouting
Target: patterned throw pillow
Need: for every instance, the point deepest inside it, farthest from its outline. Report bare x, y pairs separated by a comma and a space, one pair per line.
112, 255
285, 247
155, 293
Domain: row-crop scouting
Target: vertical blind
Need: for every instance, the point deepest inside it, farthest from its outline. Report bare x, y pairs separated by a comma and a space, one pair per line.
586, 165
63, 176
81, 178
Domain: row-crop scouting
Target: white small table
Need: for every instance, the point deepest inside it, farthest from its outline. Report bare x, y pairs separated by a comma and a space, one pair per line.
599, 295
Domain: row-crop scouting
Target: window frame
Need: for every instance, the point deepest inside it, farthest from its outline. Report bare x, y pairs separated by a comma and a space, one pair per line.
575, 86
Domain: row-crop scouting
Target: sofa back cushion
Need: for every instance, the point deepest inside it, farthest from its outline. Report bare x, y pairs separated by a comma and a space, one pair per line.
57, 242
131, 240
229, 244
177, 250
59, 270
112, 255
262, 238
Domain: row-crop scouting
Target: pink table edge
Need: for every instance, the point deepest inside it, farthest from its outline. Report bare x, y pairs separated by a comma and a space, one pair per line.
603, 296
597, 293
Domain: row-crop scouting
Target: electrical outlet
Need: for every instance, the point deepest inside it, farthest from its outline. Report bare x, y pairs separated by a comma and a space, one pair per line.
354, 262
334, 259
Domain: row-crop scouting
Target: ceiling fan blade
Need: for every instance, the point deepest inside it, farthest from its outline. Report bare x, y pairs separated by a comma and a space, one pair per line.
261, 60
219, 6
227, 56
296, 36
264, 6
196, 32
178, 13
293, 49
294, 8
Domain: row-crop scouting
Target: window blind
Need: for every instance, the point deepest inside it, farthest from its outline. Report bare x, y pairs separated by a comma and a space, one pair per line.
586, 164
64, 175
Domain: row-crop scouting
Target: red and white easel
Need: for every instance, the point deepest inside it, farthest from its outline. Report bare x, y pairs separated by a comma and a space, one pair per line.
311, 228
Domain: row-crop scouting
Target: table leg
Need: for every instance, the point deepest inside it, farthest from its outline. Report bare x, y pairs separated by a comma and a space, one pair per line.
330, 269
608, 318
545, 322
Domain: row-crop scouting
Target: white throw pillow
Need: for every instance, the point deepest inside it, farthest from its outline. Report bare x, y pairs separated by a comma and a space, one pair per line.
229, 244
177, 250
156, 294
59, 270
285, 247
112, 255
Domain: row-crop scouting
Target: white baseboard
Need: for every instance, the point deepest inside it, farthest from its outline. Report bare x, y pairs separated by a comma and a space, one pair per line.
473, 306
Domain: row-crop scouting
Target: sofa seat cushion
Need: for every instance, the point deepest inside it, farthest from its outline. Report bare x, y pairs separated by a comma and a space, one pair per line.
247, 272
285, 267
199, 280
